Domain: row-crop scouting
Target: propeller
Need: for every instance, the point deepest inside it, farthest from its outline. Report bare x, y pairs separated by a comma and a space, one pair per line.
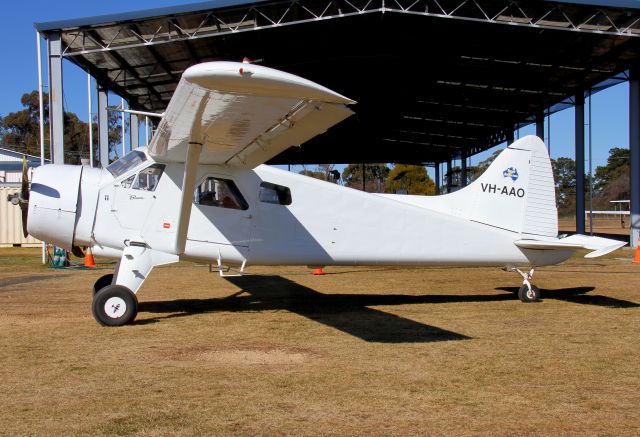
24, 196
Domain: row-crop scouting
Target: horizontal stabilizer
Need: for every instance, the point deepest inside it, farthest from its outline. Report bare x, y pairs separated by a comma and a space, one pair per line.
600, 246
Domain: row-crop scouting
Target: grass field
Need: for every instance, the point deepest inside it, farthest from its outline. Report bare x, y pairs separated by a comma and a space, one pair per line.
360, 351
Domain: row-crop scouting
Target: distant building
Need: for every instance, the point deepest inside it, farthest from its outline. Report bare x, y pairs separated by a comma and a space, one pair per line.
10, 215
11, 166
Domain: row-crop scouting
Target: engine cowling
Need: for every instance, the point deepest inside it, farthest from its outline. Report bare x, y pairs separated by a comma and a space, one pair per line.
53, 203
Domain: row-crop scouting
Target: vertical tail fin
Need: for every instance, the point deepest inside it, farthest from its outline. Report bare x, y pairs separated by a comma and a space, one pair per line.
517, 191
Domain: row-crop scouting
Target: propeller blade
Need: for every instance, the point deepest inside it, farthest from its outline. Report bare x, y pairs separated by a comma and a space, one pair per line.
25, 212
24, 196
24, 189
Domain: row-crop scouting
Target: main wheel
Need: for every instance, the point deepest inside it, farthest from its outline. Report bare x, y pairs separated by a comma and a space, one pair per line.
114, 305
102, 282
529, 294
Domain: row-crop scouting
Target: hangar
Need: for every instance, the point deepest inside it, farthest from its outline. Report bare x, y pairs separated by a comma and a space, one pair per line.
435, 80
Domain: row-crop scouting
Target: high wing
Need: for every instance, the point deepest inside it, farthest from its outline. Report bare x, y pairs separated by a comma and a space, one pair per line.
243, 114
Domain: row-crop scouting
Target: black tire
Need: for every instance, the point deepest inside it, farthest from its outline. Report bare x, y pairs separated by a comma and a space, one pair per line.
114, 305
527, 295
102, 282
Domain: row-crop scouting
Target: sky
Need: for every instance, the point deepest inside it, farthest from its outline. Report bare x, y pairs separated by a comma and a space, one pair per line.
609, 124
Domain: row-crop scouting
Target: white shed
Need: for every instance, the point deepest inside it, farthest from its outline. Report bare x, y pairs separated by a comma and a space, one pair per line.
10, 215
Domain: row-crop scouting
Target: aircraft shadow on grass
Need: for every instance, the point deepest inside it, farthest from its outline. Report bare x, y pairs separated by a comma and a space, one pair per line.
350, 313
347, 313
579, 295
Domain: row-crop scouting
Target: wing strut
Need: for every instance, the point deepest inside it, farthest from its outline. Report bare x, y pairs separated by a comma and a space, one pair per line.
186, 199
189, 177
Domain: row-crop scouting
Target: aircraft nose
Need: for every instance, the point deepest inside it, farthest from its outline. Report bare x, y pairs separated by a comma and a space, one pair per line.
53, 203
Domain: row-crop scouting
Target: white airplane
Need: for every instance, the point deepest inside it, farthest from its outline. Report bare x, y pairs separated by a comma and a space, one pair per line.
200, 193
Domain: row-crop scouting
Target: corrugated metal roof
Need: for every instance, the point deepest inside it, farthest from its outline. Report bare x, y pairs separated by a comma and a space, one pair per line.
484, 67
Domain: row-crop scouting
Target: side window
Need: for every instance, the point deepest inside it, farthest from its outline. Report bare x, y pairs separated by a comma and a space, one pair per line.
219, 192
148, 178
272, 193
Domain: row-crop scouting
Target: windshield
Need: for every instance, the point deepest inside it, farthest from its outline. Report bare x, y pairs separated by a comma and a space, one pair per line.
126, 163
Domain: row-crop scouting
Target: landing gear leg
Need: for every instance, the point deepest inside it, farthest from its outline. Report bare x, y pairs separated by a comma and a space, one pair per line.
528, 292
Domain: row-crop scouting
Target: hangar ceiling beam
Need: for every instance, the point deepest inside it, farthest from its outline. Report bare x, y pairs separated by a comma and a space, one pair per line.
156, 56
192, 52
538, 15
128, 68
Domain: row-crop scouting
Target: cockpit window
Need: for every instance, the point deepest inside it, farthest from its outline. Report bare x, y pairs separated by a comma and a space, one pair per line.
127, 182
219, 192
147, 179
126, 163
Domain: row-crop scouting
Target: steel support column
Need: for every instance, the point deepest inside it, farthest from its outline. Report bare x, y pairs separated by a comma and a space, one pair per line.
540, 125
449, 175
133, 131
463, 168
103, 126
56, 109
437, 177
510, 135
634, 152
579, 126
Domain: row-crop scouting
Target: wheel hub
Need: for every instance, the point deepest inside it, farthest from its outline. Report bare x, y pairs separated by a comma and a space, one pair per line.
115, 307
530, 293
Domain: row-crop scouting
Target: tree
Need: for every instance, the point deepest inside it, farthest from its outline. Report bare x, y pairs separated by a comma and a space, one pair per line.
375, 176
412, 178
20, 130
324, 172
477, 170
612, 181
564, 173
313, 174
617, 165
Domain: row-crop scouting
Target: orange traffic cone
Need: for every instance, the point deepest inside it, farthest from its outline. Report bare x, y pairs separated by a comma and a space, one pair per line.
636, 256
88, 259
318, 271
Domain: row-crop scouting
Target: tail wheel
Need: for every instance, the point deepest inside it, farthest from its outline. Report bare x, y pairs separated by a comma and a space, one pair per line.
102, 282
114, 305
529, 293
